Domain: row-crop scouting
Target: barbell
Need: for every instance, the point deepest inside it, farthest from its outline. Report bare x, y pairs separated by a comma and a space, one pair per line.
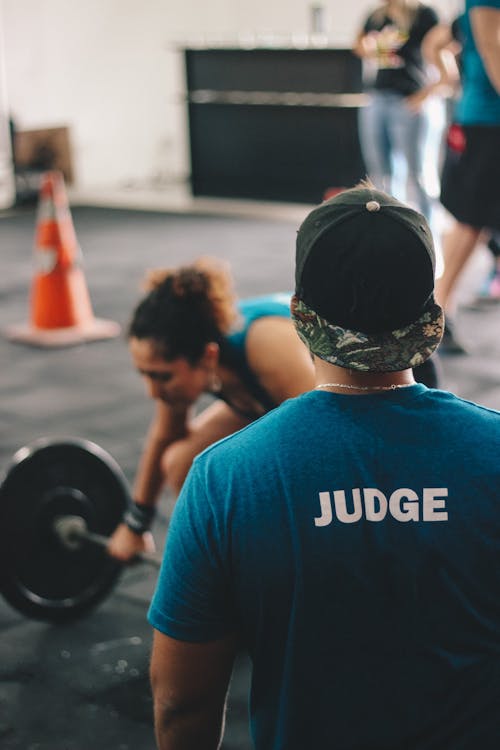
60, 501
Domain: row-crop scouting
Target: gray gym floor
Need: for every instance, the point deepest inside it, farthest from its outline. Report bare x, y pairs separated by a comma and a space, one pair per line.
85, 685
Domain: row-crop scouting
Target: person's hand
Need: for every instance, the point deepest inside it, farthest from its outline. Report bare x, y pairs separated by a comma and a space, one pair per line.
390, 39
415, 101
124, 544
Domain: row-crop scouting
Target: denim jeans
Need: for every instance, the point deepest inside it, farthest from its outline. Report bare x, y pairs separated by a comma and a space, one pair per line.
392, 141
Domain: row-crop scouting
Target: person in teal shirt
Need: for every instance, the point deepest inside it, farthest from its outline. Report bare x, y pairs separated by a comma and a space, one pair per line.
470, 188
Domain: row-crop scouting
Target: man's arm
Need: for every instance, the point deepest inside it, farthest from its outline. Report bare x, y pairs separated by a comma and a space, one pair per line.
485, 24
190, 683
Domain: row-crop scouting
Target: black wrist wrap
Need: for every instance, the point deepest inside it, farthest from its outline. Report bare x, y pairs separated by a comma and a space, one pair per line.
139, 517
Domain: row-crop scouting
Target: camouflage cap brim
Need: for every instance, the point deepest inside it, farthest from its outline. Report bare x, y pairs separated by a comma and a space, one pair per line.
374, 352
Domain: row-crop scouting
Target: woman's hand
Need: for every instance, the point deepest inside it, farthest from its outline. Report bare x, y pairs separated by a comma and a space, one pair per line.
415, 101
125, 544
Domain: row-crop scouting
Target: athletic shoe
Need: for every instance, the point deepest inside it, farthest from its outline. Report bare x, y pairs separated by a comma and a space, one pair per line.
449, 343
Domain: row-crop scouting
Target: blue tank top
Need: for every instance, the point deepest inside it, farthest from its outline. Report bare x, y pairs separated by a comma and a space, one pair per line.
234, 350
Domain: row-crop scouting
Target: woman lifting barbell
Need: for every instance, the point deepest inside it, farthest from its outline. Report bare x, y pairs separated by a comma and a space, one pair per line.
188, 336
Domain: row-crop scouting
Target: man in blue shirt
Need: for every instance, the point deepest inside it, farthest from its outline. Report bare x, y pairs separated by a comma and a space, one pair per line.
349, 540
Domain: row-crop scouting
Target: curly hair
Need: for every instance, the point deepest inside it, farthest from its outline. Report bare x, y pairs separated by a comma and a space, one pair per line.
186, 308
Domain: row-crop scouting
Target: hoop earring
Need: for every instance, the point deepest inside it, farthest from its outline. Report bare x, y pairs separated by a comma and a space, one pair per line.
214, 382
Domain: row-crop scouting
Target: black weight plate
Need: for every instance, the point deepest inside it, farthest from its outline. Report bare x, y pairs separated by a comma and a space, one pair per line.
39, 576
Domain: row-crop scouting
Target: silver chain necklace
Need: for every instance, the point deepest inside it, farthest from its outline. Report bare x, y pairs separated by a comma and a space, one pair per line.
392, 387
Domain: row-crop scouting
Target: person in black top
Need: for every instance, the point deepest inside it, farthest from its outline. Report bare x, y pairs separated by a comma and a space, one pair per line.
394, 122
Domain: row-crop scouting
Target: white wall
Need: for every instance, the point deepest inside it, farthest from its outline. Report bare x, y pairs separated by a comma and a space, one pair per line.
7, 187
112, 70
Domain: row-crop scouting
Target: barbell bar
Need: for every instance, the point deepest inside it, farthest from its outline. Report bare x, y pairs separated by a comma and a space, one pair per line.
73, 530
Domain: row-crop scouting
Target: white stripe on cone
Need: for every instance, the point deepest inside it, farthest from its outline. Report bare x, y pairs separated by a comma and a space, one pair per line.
45, 259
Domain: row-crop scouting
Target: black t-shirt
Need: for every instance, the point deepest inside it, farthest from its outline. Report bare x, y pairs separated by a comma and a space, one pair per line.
457, 33
399, 62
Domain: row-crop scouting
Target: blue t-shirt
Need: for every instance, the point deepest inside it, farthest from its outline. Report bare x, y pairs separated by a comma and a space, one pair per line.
480, 102
354, 544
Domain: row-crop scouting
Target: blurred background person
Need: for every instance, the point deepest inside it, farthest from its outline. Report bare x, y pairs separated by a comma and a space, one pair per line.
470, 188
393, 127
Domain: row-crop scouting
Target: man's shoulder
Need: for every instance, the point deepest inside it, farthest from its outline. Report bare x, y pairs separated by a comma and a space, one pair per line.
258, 434
449, 404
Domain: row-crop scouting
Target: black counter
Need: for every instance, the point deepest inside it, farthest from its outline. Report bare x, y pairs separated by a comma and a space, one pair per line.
273, 124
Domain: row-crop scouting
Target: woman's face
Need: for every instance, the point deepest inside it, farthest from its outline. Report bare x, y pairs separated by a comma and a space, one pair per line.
175, 382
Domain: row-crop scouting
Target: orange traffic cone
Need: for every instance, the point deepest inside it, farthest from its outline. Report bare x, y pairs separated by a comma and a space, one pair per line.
61, 311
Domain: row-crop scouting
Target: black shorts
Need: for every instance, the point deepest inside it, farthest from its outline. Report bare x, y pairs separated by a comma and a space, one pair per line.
470, 181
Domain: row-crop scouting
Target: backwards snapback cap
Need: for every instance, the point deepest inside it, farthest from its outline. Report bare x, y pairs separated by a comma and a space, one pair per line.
364, 283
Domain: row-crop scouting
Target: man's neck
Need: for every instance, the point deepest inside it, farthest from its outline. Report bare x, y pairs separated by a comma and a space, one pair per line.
340, 380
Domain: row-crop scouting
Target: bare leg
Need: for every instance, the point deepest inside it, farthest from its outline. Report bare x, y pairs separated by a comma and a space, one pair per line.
458, 246
215, 422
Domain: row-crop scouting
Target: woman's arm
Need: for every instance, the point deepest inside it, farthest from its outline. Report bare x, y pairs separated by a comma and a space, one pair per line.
438, 50
279, 359
167, 426
485, 24
371, 40
365, 44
